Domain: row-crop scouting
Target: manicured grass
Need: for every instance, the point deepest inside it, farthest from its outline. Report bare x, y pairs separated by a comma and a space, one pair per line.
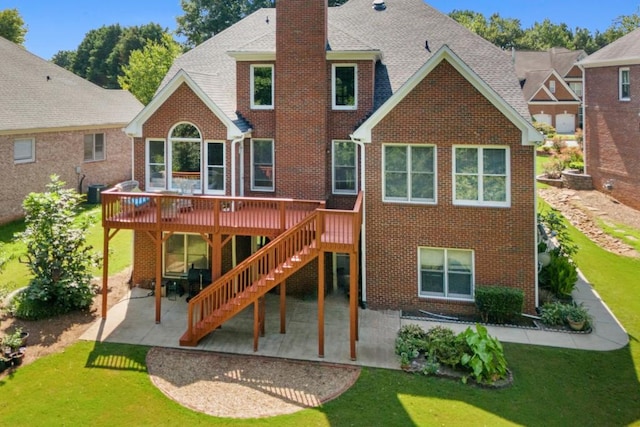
628, 235
17, 275
107, 384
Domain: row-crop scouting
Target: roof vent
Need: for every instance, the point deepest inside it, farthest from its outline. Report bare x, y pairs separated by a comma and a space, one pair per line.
379, 5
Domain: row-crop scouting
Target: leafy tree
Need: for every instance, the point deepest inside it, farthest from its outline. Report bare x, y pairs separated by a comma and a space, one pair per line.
147, 67
203, 19
64, 59
545, 35
12, 26
104, 51
58, 256
91, 56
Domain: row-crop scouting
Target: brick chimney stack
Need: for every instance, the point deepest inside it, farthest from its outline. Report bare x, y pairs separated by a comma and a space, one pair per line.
302, 87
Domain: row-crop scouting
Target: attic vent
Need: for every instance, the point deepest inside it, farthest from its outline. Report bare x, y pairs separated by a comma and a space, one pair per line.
379, 5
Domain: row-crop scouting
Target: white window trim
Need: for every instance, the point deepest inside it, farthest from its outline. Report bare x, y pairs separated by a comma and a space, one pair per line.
262, 107
273, 167
552, 86
224, 168
333, 169
147, 164
164, 254
620, 72
31, 159
333, 87
104, 147
482, 203
409, 200
168, 155
446, 276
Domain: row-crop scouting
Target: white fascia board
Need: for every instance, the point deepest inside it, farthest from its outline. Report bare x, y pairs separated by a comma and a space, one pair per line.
354, 55
546, 90
566, 86
529, 134
134, 129
620, 62
252, 56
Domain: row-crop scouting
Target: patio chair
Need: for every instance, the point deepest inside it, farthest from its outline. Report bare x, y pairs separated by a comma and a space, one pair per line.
133, 205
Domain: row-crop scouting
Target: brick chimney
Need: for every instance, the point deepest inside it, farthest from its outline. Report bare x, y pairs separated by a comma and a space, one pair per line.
302, 87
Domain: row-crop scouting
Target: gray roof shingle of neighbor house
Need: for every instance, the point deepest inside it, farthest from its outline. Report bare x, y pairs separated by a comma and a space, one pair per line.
399, 34
625, 50
37, 94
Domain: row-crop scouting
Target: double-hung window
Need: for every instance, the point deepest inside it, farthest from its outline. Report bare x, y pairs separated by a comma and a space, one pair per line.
94, 147
446, 273
409, 173
481, 176
262, 170
24, 150
344, 87
625, 84
345, 168
156, 166
215, 167
262, 87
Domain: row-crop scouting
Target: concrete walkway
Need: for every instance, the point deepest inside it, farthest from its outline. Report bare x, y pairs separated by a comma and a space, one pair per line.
131, 321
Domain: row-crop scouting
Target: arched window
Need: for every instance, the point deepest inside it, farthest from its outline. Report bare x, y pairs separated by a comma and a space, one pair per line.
185, 151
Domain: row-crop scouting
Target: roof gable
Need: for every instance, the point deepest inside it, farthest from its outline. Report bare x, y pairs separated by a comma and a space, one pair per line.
182, 77
529, 133
624, 51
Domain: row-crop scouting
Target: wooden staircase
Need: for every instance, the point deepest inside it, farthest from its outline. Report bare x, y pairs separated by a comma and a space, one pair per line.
252, 279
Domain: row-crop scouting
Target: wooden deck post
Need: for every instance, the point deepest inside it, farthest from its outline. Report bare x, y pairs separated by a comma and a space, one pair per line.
256, 324
105, 271
283, 307
321, 304
216, 271
158, 289
353, 302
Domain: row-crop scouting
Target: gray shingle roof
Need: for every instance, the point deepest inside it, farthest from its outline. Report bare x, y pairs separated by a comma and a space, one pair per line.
625, 50
399, 33
37, 94
557, 58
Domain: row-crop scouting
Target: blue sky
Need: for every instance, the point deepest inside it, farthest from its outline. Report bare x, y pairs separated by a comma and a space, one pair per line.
61, 24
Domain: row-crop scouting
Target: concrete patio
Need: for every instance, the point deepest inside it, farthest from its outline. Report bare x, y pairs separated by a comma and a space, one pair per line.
131, 321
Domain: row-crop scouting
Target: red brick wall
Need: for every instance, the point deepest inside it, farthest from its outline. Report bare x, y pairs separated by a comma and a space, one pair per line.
612, 134
59, 153
301, 99
445, 110
182, 106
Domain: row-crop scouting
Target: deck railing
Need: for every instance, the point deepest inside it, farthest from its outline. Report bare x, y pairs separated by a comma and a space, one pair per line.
251, 279
208, 214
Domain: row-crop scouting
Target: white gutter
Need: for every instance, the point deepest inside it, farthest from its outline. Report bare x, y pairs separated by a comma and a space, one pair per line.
584, 120
363, 226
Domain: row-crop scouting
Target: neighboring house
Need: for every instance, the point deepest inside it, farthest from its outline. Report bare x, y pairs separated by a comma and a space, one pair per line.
396, 118
54, 122
612, 117
552, 85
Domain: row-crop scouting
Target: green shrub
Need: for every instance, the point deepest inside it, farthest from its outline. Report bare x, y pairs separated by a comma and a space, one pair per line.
558, 313
545, 129
553, 313
486, 359
499, 304
444, 346
560, 276
57, 254
553, 168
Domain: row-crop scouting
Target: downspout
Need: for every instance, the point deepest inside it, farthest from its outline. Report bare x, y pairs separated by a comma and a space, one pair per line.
363, 227
584, 120
236, 140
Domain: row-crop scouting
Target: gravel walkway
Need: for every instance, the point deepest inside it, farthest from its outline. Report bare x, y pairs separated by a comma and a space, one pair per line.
238, 386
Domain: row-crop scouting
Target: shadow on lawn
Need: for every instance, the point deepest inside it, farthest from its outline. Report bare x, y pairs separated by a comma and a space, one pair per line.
551, 387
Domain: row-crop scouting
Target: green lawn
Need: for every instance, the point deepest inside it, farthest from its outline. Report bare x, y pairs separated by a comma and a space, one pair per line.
16, 274
107, 384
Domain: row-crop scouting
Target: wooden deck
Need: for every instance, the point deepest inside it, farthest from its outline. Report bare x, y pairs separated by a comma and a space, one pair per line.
228, 216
